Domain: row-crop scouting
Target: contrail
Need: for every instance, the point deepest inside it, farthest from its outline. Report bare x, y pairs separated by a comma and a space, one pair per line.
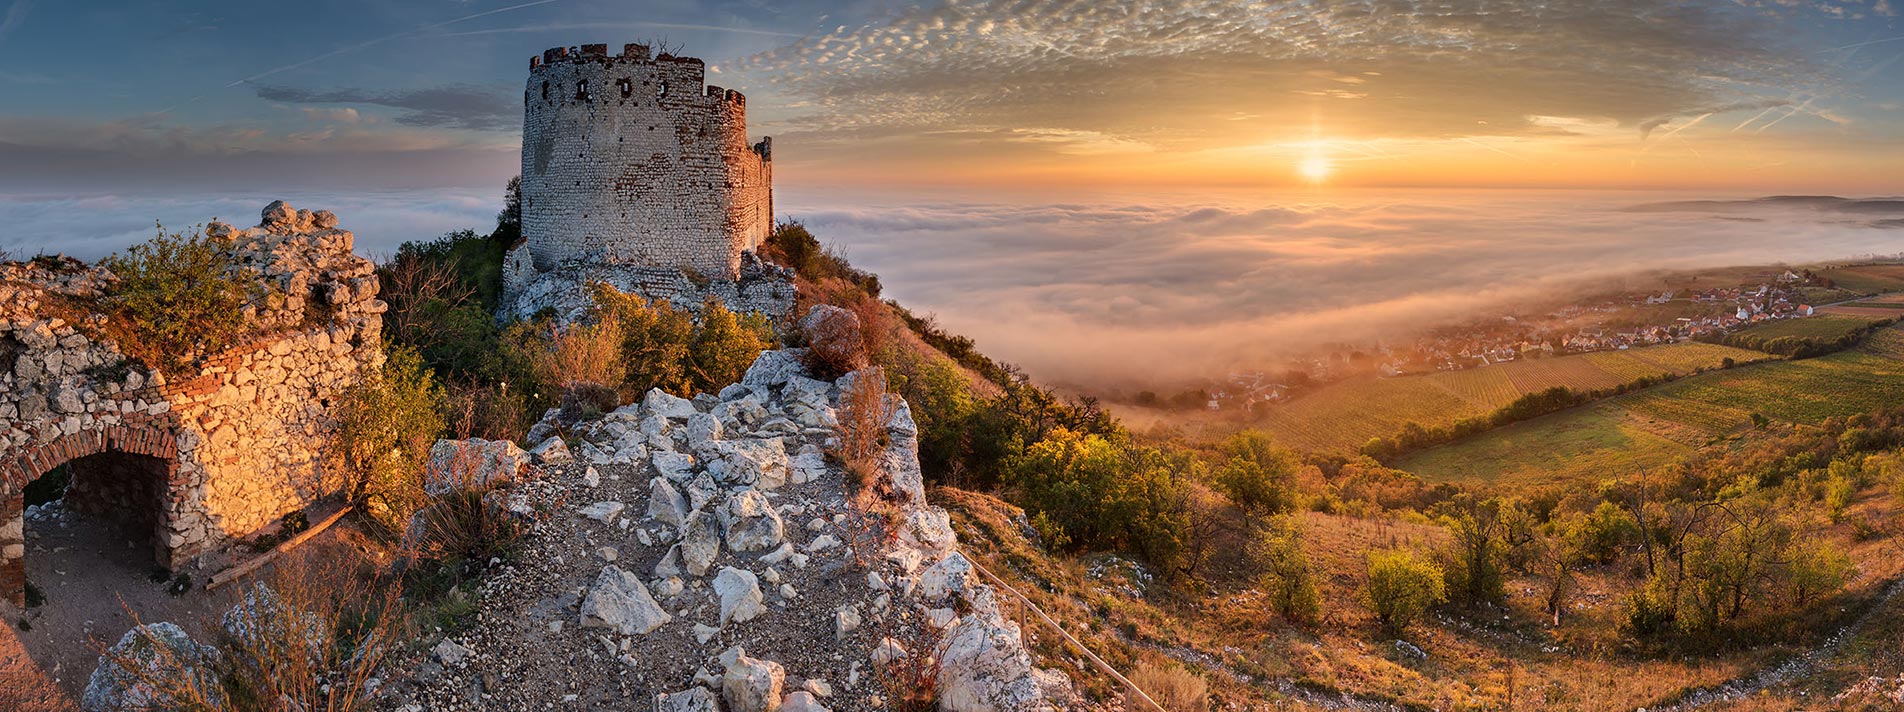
1867, 43
387, 38
615, 25
16, 14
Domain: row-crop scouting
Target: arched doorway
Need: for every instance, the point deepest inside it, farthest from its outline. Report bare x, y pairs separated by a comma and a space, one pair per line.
113, 483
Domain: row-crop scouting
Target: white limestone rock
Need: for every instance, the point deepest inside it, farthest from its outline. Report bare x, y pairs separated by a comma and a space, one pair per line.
620, 601
553, 451
802, 701
693, 699
750, 684
773, 368
473, 464
661, 403
157, 651
739, 593
665, 504
675, 466
750, 522
700, 542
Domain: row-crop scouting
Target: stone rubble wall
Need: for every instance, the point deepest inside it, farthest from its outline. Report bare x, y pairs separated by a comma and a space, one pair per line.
239, 443
634, 160
762, 287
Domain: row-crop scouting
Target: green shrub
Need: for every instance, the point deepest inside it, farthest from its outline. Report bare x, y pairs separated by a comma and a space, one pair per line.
1102, 494
1287, 575
724, 345
179, 299
386, 424
1402, 586
1259, 476
655, 338
1815, 568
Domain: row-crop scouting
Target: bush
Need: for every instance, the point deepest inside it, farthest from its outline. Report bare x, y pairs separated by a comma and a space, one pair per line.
1287, 575
1098, 493
385, 427
1402, 586
178, 298
572, 355
1172, 687
724, 346
655, 336
1259, 475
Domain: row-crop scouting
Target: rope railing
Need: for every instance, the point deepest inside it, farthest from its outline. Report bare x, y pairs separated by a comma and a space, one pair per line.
1104, 667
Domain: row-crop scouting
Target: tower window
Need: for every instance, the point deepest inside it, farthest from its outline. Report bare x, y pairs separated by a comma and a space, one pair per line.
627, 87
545, 91
663, 91
581, 90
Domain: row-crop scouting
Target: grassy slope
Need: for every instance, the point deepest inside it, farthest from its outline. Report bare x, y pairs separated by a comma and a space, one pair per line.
1665, 423
1819, 327
1345, 415
1253, 660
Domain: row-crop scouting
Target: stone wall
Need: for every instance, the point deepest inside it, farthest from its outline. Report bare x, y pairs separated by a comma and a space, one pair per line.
238, 442
633, 160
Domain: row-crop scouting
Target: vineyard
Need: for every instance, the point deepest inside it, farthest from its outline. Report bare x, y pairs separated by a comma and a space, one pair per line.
1867, 279
1665, 423
1343, 416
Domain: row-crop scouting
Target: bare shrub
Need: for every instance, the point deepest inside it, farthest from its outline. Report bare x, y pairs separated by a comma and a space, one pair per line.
579, 353
487, 411
864, 410
456, 533
310, 637
911, 681
1172, 686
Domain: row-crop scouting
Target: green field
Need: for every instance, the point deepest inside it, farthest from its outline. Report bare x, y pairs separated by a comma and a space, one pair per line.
1825, 328
1867, 279
1665, 423
1343, 416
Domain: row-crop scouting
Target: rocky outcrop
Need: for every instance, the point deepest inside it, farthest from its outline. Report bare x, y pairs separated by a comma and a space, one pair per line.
772, 586
154, 666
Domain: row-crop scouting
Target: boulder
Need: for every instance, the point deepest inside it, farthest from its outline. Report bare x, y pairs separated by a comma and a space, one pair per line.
154, 651
473, 464
604, 512
750, 522
278, 212
665, 504
262, 619
552, 451
773, 368
741, 413
620, 601
986, 668
701, 428
675, 466
833, 339
802, 701
660, 403
693, 699
945, 579
451, 653
700, 542
760, 462
739, 593
750, 684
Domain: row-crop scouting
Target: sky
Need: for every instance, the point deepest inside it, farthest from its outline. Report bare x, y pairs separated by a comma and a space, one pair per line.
1076, 183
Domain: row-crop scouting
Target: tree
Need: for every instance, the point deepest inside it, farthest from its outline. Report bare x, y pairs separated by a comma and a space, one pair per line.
1286, 572
386, 424
1402, 586
1258, 476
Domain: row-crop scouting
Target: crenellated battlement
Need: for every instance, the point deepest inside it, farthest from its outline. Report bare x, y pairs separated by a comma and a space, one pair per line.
634, 159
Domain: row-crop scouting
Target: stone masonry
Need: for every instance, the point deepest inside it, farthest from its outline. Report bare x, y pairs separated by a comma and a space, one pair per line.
632, 165
201, 459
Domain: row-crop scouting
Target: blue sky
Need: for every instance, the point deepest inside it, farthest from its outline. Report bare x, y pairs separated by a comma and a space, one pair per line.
331, 95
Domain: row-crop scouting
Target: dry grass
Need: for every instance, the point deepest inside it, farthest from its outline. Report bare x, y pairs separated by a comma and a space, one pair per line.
579, 354
316, 629
1172, 686
863, 413
911, 682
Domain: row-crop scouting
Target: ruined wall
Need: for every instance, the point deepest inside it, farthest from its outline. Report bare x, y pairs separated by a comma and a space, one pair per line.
628, 159
242, 437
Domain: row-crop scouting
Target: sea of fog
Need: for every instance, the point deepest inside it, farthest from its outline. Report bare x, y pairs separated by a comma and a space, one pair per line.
1123, 288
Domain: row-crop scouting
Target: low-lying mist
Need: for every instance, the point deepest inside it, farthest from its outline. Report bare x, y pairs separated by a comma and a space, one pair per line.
1110, 294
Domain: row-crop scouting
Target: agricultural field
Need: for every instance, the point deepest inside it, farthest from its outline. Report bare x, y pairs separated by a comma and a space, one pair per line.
1343, 416
1882, 307
1667, 423
1867, 279
1824, 328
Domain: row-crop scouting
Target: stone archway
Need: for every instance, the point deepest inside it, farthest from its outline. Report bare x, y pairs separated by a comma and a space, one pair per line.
125, 473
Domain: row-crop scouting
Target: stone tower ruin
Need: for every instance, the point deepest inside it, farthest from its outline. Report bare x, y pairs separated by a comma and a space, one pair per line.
631, 162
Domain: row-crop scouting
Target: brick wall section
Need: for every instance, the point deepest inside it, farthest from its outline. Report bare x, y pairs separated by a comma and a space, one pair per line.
242, 438
632, 160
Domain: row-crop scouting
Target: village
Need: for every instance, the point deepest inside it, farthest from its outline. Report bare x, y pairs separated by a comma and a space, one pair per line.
1610, 322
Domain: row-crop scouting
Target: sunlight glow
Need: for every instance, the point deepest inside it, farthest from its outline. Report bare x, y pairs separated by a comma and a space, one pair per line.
1315, 168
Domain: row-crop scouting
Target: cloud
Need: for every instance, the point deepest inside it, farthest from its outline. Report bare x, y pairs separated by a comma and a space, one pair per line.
1140, 291
453, 106
94, 225
1174, 73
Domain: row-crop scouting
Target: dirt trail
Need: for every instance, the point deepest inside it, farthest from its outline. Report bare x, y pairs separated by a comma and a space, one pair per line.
94, 580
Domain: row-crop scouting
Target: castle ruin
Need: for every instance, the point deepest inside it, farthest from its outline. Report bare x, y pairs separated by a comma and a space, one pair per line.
189, 461
637, 173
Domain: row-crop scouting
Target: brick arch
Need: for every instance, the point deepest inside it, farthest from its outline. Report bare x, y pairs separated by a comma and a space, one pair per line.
17, 470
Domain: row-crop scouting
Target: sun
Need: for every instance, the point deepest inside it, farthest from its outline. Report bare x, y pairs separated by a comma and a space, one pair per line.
1315, 168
